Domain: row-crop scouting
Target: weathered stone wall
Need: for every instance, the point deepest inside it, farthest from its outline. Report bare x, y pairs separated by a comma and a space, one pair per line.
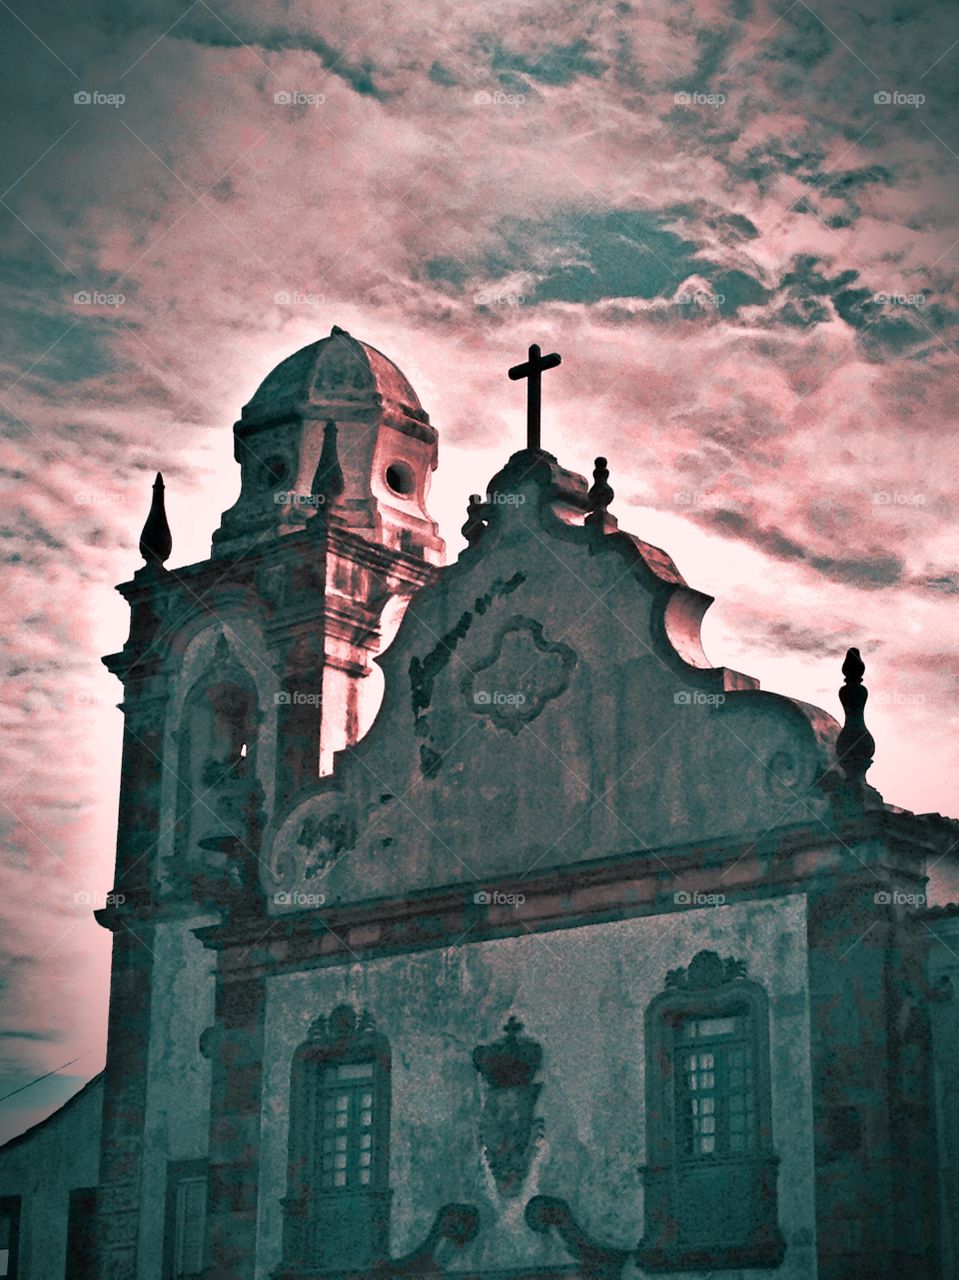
582, 994
944, 984
177, 1121
43, 1166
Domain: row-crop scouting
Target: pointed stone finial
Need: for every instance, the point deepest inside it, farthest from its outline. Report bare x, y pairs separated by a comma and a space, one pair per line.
328, 480
600, 496
855, 745
475, 519
156, 541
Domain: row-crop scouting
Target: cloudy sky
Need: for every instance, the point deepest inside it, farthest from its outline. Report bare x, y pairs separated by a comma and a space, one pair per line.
736, 221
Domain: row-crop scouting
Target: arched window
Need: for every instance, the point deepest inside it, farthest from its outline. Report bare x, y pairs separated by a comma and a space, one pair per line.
710, 1180
337, 1207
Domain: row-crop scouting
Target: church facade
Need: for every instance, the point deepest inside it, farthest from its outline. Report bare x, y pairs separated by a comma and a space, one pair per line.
586, 959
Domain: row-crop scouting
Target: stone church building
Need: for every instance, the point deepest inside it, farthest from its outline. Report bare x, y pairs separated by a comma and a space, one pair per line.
586, 959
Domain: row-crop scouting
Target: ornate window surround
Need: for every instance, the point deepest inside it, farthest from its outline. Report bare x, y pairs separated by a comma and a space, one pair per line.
335, 1229
685, 1192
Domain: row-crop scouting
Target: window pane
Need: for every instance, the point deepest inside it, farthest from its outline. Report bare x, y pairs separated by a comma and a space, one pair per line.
714, 1104
348, 1114
355, 1071
718, 1026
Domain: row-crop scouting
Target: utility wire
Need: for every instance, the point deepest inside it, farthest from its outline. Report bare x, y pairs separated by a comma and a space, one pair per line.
45, 1076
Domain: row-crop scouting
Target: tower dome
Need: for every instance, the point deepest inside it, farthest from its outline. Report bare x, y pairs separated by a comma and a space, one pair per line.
340, 368
387, 450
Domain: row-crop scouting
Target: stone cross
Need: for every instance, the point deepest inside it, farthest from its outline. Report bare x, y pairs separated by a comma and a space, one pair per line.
532, 370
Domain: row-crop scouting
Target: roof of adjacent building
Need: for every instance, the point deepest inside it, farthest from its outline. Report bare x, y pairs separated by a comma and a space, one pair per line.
54, 1115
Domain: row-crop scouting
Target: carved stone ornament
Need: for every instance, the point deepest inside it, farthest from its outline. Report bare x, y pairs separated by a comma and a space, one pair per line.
310, 842
523, 673
507, 1125
343, 1027
705, 971
321, 841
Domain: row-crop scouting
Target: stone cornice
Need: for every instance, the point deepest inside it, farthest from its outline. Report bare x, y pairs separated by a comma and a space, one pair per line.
801, 858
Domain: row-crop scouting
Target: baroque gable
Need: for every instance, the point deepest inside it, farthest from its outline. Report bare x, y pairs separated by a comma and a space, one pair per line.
547, 702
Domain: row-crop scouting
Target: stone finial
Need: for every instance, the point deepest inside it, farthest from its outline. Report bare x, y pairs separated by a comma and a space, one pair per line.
156, 541
600, 495
328, 482
855, 745
475, 519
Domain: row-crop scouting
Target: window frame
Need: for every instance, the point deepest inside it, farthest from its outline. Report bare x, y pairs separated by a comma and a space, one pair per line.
673, 1177
354, 1091
179, 1172
81, 1267
12, 1206
314, 1214
718, 1047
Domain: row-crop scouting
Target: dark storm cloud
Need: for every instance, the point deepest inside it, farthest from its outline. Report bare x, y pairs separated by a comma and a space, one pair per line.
203, 26
868, 572
592, 256
945, 582
358, 74
559, 65
801, 40
588, 258
774, 636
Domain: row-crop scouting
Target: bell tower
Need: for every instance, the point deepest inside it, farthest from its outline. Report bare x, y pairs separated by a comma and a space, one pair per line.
387, 450
242, 677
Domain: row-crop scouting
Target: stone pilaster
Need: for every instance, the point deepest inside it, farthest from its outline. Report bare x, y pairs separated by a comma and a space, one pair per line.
131, 918
235, 1046
125, 1092
876, 1216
